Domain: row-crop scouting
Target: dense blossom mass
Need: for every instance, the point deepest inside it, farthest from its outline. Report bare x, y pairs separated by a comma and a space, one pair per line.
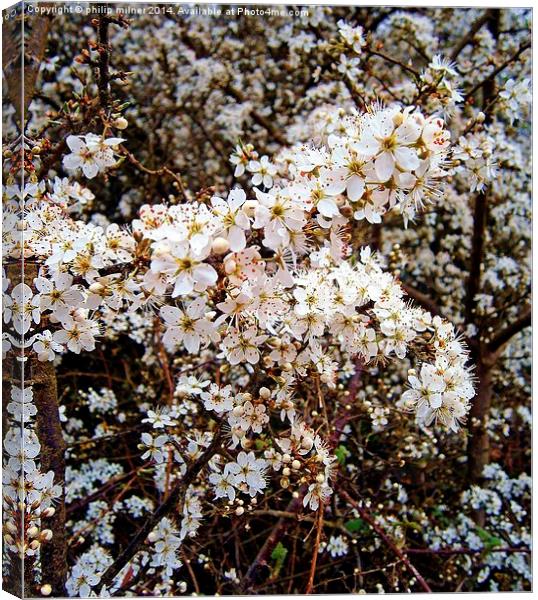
271, 290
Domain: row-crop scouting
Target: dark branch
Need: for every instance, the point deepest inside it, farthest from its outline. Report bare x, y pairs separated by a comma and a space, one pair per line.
366, 516
499, 69
468, 38
422, 300
511, 330
171, 503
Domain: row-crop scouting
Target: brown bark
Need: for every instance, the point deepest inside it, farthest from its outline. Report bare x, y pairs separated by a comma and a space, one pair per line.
478, 446
33, 44
256, 568
41, 377
52, 458
173, 502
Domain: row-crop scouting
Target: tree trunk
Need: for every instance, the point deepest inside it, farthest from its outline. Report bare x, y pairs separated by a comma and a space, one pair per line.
478, 446
478, 441
52, 458
41, 377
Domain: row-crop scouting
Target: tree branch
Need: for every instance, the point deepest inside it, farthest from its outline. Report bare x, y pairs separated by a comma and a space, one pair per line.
477, 251
176, 495
388, 541
499, 69
510, 330
468, 38
422, 299
262, 558
319, 528
104, 61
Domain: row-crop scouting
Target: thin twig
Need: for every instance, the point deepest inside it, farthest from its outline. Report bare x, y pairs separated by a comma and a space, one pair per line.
499, 69
388, 541
319, 528
176, 496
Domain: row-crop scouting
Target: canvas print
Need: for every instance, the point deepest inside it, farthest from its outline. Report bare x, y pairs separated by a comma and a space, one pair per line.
266, 299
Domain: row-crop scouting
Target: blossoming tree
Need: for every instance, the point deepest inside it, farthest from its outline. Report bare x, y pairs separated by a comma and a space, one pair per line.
258, 274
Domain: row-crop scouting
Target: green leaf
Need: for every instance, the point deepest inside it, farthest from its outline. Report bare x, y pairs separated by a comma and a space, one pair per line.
490, 541
279, 553
279, 556
341, 454
355, 525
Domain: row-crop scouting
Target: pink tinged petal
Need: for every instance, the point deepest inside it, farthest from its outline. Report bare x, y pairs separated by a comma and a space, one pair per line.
414, 381
235, 356
198, 242
252, 355
436, 400
355, 188
241, 220
236, 198
384, 166
113, 141
372, 216
171, 314
406, 180
408, 132
263, 216
172, 337
385, 124
407, 158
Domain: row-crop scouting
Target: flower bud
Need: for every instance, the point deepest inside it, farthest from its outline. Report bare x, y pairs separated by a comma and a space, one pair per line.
230, 266
96, 287
32, 532
286, 471
398, 118
48, 512
120, 123
265, 393
307, 443
11, 527
320, 477
238, 411
220, 245
286, 458
250, 207
295, 465
46, 590
153, 537
246, 443
239, 511
46, 535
